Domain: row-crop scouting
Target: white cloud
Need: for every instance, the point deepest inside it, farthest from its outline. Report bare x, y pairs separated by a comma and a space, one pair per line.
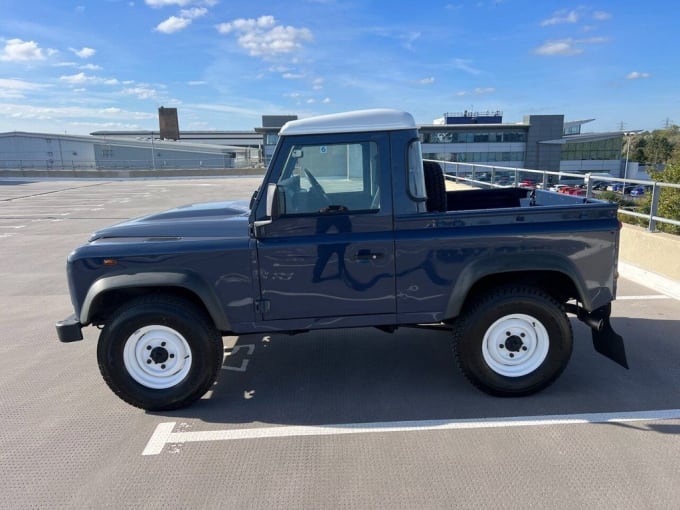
173, 24
262, 37
11, 88
567, 47
157, 4
410, 38
81, 78
84, 52
563, 47
244, 25
17, 50
141, 92
194, 83
601, 15
464, 65
76, 78
561, 17
427, 81
292, 76
481, 91
193, 13
317, 84
91, 67
326, 100
635, 75
23, 111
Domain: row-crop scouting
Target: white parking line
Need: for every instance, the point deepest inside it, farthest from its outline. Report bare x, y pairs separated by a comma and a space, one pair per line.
164, 431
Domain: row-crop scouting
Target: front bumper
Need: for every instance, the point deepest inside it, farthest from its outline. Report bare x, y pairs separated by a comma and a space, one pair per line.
69, 329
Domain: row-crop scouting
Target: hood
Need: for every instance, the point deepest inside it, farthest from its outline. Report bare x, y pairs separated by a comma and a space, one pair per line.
214, 219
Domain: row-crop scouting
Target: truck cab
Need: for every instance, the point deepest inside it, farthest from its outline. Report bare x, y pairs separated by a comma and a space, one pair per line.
324, 226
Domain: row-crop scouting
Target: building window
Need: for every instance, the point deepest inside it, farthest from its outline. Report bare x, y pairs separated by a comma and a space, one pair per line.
470, 136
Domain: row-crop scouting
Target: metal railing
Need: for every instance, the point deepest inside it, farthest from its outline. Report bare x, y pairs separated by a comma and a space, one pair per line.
129, 164
488, 176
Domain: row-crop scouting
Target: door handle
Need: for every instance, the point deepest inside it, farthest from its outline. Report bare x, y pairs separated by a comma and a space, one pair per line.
368, 255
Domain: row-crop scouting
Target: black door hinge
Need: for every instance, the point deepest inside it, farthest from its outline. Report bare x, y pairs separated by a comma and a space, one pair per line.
262, 305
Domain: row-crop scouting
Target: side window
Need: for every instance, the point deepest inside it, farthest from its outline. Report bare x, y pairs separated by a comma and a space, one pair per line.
333, 178
416, 175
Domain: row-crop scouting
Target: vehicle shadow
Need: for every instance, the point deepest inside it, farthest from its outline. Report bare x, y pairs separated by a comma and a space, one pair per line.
365, 375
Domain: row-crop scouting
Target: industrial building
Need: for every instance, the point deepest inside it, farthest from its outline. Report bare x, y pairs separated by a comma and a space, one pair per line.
544, 142
48, 151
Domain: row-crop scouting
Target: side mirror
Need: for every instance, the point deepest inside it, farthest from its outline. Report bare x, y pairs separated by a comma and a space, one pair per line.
253, 198
271, 206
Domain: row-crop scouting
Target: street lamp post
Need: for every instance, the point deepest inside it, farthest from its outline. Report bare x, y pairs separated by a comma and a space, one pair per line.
153, 154
628, 135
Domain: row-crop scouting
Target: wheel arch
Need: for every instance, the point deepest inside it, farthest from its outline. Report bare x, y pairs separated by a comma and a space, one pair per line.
108, 293
554, 274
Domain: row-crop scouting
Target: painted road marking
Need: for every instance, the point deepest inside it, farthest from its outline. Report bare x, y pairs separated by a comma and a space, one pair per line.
244, 364
164, 431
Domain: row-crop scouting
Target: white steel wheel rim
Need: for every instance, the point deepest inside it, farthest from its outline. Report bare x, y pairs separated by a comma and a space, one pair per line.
157, 357
515, 345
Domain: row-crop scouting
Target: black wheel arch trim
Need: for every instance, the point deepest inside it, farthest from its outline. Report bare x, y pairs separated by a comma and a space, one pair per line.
505, 264
184, 280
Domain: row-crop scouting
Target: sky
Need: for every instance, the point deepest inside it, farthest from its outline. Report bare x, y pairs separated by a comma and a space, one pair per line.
83, 66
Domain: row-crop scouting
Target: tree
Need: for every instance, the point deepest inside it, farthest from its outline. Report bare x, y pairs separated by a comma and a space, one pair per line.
669, 198
658, 149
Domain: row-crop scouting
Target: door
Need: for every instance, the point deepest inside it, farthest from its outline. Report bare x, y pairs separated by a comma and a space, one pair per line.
330, 250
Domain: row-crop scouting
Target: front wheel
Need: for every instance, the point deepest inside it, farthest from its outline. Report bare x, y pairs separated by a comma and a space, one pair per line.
513, 341
159, 353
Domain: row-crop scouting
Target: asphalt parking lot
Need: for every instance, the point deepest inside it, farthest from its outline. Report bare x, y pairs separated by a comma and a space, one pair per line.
331, 419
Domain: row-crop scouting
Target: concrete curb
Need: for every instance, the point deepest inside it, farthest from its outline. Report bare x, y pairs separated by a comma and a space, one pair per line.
650, 280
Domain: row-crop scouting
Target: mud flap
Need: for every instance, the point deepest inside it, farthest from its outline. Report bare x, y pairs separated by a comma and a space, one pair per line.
605, 340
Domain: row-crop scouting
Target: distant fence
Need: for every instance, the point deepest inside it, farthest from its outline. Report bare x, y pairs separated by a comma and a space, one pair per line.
129, 164
501, 176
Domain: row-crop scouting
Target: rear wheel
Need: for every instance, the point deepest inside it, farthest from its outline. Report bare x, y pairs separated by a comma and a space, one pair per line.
513, 341
159, 353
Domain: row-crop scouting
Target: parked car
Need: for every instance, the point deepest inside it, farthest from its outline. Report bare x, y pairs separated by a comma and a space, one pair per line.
557, 187
578, 192
640, 191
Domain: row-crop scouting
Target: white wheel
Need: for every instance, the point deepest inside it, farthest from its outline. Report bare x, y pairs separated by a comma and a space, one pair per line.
159, 352
515, 345
157, 357
512, 340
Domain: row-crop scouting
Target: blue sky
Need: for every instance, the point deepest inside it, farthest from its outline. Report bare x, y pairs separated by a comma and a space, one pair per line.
82, 66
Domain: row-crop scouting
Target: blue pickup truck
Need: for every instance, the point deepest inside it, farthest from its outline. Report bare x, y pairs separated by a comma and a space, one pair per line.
349, 228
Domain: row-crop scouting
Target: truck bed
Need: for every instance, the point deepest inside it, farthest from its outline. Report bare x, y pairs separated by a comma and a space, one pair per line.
502, 198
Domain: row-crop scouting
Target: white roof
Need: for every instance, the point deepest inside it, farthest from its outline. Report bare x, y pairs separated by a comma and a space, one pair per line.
351, 122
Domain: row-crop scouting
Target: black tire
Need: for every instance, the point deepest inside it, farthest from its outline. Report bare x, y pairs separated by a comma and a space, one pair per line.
173, 353
527, 345
435, 186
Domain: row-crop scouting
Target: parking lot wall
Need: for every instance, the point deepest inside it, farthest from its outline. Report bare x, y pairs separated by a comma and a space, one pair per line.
656, 252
